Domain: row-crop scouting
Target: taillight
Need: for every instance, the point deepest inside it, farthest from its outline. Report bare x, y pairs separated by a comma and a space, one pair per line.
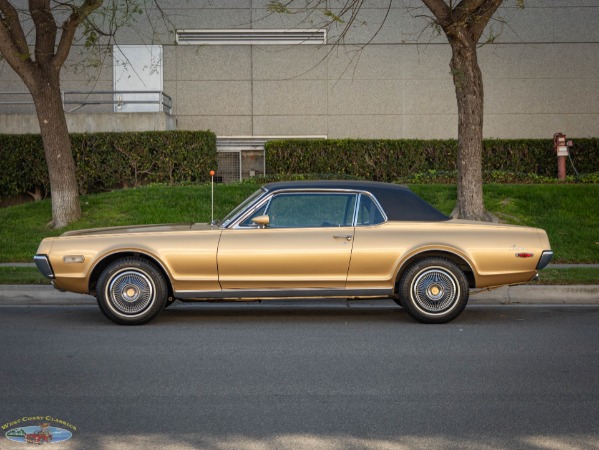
524, 255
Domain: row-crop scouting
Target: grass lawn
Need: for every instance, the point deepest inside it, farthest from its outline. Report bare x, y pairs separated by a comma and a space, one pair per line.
569, 213
22, 275
578, 275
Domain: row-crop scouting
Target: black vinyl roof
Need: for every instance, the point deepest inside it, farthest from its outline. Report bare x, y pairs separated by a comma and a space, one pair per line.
399, 202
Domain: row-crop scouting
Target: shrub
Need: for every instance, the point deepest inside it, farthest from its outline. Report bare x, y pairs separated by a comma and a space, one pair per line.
419, 160
108, 160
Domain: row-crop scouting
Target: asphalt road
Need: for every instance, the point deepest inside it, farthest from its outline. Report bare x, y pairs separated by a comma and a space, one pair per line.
303, 377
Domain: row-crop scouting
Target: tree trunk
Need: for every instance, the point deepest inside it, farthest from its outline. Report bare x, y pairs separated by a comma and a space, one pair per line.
57, 148
468, 83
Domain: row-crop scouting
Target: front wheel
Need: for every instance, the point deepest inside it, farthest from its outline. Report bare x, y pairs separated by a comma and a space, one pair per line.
434, 290
131, 291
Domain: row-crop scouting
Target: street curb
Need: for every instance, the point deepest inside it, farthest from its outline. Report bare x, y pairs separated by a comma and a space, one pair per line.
577, 294
32, 295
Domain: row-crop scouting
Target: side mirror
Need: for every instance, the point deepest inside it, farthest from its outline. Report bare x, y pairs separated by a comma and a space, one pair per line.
261, 221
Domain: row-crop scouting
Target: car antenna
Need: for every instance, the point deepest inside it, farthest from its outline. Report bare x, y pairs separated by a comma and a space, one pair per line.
212, 197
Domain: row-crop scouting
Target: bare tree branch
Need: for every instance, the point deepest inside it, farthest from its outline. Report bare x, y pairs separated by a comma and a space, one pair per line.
466, 8
441, 11
10, 19
13, 43
45, 30
70, 27
483, 14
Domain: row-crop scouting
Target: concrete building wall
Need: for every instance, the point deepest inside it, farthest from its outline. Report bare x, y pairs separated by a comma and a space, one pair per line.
92, 123
541, 74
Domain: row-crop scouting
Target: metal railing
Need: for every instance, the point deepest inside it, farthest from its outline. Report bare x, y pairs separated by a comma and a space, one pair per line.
118, 98
18, 95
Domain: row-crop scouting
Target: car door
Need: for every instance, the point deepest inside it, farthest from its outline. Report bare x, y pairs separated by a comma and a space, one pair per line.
376, 250
306, 245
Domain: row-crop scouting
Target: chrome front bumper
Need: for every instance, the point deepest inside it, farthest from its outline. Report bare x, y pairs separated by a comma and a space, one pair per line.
43, 265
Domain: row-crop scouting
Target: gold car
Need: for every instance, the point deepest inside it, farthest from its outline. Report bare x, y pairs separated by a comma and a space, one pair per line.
299, 239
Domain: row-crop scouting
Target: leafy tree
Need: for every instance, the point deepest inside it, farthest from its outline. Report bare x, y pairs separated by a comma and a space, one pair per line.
38, 54
463, 23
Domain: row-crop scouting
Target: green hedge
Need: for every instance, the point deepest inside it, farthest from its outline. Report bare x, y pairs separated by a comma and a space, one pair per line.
109, 160
392, 160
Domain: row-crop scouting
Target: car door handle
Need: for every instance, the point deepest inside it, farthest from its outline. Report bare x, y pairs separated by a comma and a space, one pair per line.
347, 237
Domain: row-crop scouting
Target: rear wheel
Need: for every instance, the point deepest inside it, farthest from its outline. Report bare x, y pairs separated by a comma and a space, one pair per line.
434, 290
131, 291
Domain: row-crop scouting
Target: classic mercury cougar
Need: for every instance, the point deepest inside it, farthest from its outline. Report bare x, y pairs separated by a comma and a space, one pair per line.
351, 239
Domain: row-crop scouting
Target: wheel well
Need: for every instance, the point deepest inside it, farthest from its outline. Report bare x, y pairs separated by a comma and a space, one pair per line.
459, 261
100, 266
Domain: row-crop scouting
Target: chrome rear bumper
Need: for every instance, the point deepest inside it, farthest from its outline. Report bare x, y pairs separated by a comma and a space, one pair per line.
546, 257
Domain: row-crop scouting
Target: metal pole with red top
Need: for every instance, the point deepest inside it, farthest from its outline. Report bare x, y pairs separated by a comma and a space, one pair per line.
212, 197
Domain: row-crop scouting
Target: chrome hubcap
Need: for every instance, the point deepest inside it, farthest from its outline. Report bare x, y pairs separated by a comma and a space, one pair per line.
435, 290
130, 292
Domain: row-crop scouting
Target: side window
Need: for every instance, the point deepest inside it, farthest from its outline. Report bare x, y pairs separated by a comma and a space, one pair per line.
311, 210
368, 212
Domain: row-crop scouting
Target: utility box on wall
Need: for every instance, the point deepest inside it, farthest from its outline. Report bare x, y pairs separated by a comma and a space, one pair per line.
137, 68
239, 158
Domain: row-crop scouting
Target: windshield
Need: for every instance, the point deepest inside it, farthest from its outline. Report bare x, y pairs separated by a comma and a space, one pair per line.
244, 204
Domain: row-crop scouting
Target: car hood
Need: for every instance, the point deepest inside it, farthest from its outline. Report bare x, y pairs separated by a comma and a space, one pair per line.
139, 229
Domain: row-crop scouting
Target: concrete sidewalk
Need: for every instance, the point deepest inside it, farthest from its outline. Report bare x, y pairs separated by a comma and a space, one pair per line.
31, 295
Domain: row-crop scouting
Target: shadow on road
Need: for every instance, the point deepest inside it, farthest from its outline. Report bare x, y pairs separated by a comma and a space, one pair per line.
262, 313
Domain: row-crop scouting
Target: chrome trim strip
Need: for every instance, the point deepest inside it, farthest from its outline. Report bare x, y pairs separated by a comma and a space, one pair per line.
376, 204
354, 220
286, 293
43, 265
546, 257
